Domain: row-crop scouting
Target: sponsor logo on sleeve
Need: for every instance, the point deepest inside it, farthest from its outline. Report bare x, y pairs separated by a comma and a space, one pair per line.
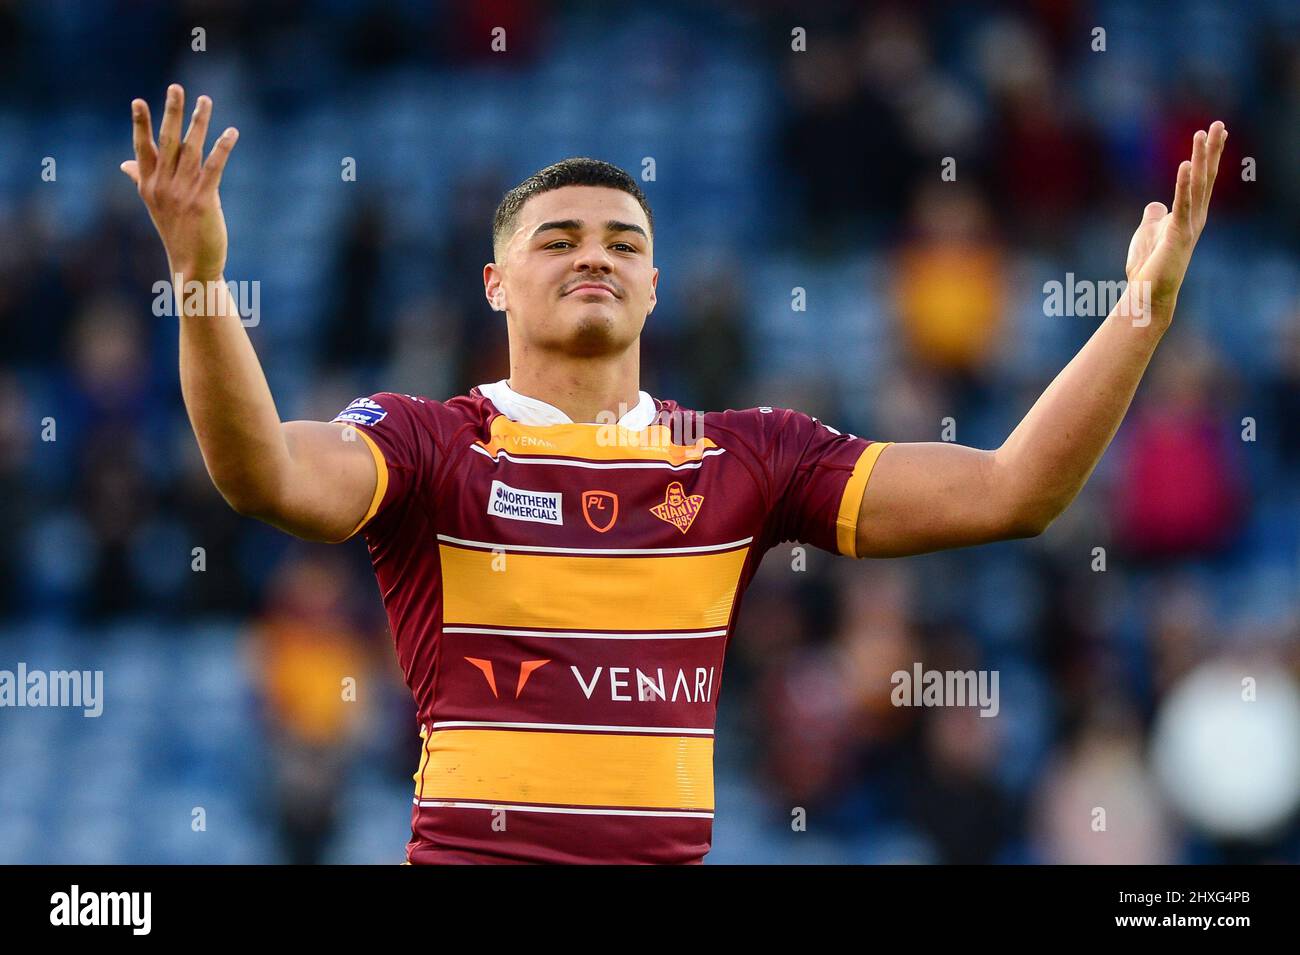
362, 411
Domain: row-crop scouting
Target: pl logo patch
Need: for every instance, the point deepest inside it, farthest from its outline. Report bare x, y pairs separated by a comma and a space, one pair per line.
600, 508
362, 411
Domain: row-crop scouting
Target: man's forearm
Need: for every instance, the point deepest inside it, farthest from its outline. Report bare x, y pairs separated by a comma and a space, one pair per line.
229, 402
1050, 455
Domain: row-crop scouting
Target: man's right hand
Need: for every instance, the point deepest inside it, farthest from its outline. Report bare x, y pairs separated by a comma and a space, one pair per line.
305, 477
179, 188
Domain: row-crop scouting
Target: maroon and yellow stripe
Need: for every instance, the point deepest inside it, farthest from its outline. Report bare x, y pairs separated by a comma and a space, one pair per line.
568, 768
514, 589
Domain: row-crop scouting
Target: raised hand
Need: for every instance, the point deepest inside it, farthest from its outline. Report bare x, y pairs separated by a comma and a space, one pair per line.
178, 188
1162, 246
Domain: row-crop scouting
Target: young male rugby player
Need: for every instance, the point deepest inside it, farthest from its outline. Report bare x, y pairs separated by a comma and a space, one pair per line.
562, 555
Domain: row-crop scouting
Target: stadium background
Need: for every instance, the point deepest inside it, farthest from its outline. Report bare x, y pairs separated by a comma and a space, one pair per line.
773, 170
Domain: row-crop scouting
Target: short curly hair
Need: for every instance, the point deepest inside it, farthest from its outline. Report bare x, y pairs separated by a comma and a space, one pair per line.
575, 171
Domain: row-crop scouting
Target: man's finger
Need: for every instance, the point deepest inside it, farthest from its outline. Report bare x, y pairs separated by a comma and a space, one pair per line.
1154, 210
1218, 137
132, 169
146, 153
1199, 167
216, 164
192, 148
1183, 194
169, 136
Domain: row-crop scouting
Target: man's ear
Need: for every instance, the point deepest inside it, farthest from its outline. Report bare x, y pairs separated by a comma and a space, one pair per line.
654, 283
493, 287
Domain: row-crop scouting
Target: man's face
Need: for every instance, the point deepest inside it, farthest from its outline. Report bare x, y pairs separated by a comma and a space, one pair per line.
577, 274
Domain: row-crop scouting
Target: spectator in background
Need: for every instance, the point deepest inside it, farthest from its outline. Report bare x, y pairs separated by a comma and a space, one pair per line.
1179, 492
1044, 157
16, 440
354, 332
465, 245
825, 715
426, 349
713, 349
952, 793
223, 587
950, 283
1194, 95
316, 675
844, 140
107, 421
1098, 804
1282, 394
876, 636
1279, 134
1178, 640
809, 735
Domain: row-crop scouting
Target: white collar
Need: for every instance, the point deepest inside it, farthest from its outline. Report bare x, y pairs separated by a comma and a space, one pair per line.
534, 411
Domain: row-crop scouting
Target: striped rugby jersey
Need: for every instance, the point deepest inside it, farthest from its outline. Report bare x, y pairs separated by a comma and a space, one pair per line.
561, 595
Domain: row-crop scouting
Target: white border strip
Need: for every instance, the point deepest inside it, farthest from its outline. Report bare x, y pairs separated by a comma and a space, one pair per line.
601, 466
595, 551
589, 635
430, 803
671, 730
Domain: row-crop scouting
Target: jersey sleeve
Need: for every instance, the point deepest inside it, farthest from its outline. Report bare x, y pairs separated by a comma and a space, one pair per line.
817, 476
402, 448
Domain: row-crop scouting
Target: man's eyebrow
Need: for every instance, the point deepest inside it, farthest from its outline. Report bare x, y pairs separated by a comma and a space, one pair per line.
574, 225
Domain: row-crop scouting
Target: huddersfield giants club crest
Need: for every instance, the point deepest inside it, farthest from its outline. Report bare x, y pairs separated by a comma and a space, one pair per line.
679, 508
600, 508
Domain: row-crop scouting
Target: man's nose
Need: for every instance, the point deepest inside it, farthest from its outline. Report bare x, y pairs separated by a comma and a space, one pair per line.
592, 257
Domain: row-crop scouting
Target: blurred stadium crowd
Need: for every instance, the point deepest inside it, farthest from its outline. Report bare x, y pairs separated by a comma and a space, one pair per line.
772, 170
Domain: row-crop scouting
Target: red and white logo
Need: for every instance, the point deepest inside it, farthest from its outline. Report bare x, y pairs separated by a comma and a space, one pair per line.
600, 508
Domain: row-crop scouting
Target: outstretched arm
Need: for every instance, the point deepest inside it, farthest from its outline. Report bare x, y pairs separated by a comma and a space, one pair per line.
300, 476
931, 496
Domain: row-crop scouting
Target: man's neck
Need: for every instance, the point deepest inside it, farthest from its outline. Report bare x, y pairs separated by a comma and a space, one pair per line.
582, 389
